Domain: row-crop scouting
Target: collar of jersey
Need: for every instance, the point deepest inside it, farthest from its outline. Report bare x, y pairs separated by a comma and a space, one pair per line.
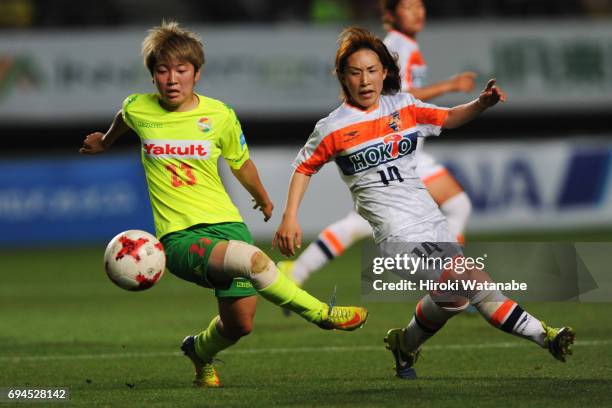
157, 100
412, 40
370, 109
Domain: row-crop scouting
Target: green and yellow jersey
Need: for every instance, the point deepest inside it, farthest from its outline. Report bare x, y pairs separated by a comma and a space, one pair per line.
179, 154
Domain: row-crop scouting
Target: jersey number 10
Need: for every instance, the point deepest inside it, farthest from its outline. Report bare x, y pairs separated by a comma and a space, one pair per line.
392, 174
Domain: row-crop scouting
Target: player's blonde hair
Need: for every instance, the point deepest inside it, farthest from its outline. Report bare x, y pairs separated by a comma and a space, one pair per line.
170, 42
353, 39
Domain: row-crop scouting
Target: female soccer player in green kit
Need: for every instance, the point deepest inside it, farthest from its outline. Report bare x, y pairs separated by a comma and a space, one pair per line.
182, 135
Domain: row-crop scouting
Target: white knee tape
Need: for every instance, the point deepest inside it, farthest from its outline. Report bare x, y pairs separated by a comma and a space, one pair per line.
243, 260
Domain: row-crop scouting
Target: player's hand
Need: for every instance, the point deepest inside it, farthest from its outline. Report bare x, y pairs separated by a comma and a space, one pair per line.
491, 95
93, 144
265, 207
288, 236
464, 82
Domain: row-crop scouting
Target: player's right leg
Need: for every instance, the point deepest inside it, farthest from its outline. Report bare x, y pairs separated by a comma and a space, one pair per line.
236, 259
433, 238
428, 318
330, 243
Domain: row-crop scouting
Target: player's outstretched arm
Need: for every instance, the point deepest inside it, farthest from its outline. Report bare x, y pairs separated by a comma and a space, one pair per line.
248, 176
462, 114
289, 234
99, 142
463, 82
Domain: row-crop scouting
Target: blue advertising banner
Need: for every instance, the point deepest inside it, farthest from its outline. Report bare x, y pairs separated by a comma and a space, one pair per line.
63, 200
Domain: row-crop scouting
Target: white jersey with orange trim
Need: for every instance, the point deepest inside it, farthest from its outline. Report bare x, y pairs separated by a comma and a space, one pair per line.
428, 168
413, 74
374, 152
413, 69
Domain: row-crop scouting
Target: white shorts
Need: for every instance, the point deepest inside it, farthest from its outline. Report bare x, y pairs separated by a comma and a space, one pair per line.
431, 239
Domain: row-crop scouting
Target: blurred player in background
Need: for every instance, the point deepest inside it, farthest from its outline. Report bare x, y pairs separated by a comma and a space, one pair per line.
403, 20
372, 138
182, 135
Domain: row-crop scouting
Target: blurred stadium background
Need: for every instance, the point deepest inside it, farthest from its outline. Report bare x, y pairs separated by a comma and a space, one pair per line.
537, 167
538, 163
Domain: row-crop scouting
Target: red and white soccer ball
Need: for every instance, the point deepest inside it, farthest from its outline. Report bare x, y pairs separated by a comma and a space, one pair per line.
134, 260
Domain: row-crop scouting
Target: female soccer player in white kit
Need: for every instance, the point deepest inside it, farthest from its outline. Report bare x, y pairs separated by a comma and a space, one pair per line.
372, 138
403, 20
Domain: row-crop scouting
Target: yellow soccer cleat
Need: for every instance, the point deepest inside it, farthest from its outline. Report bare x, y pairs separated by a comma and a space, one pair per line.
404, 359
559, 342
347, 318
205, 373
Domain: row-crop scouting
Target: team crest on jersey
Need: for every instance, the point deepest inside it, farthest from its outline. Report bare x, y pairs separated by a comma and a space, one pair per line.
395, 122
205, 124
391, 147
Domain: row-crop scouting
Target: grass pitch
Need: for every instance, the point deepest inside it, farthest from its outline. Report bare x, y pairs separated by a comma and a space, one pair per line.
64, 324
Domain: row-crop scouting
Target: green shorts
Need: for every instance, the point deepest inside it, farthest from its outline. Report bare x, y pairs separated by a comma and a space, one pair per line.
188, 250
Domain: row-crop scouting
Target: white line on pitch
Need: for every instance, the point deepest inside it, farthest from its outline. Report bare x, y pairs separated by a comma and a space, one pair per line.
285, 350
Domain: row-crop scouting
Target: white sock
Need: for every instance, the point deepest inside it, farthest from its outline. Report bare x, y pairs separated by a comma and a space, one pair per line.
507, 315
312, 259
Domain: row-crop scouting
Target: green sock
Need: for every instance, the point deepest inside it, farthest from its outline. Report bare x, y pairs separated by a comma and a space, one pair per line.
284, 292
210, 342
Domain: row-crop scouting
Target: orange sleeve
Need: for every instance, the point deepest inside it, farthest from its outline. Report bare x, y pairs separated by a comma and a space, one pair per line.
313, 156
430, 115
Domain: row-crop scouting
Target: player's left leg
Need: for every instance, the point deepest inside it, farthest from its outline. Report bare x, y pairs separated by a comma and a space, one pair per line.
221, 255
434, 310
508, 316
429, 317
236, 259
235, 320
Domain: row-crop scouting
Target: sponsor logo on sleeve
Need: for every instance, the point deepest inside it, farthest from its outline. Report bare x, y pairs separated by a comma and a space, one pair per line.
242, 141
